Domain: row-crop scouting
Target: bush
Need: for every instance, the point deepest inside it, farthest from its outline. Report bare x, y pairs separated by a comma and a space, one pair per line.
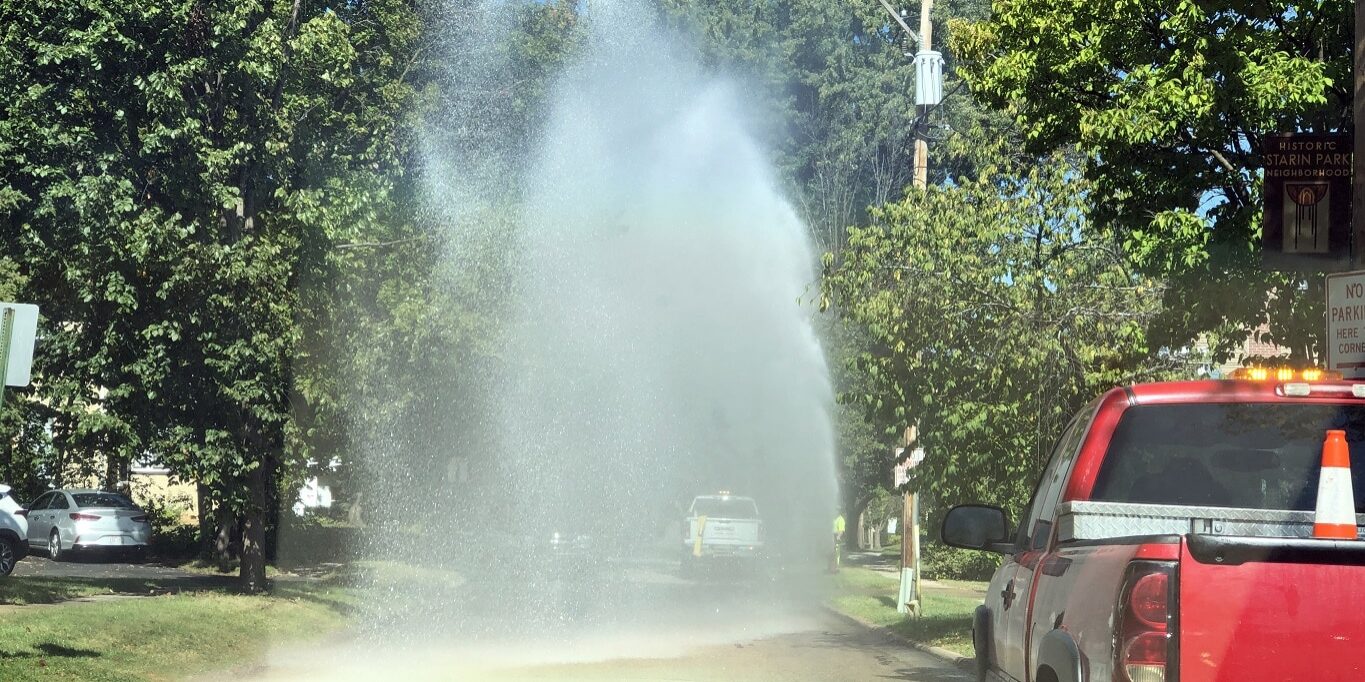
939, 562
172, 540
314, 538
179, 542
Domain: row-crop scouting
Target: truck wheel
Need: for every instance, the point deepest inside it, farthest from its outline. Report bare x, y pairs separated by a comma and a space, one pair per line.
981, 642
8, 556
982, 670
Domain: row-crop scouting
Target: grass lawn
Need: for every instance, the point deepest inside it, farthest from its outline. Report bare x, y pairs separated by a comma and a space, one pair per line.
871, 597
160, 638
203, 626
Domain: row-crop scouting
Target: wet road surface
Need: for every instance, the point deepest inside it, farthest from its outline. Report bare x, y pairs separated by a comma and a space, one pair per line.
825, 649
645, 623
835, 651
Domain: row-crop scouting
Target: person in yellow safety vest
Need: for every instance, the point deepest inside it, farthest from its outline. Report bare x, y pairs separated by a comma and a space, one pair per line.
836, 560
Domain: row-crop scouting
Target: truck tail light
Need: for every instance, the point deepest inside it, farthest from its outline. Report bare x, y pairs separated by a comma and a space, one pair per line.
1146, 641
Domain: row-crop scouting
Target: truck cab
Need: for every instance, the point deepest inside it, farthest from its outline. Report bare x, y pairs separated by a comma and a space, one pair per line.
1170, 537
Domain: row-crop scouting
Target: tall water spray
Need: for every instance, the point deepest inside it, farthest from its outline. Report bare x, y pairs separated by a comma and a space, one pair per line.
654, 344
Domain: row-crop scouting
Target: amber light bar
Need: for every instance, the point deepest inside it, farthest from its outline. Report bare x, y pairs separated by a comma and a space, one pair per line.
1284, 374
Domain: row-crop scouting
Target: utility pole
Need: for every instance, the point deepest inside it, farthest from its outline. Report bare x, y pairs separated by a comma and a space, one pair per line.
1358, 159
926, 42
928, 95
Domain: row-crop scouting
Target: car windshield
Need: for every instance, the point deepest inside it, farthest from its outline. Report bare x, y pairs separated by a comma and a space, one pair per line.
105, 500
1256, 456
721, 508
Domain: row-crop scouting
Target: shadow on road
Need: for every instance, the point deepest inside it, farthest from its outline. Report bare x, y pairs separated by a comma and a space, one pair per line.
50, 650
51, 590
893, 657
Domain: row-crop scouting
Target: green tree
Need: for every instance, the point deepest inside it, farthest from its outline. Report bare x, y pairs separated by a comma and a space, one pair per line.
865, 456
176, 179
1171, 102
995, 308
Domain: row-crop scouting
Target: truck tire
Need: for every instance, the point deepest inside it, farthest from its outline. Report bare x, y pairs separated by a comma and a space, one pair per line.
981, 642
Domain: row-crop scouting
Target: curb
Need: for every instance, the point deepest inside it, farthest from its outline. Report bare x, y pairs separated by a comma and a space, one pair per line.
966, 663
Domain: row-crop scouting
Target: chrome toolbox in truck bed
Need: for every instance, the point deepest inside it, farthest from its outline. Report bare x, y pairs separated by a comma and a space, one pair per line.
1099, 520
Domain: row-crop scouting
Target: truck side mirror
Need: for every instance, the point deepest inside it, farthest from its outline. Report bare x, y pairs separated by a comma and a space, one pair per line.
977, 526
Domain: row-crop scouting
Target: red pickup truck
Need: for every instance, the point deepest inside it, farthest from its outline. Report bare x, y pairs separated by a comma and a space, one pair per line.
1170, 540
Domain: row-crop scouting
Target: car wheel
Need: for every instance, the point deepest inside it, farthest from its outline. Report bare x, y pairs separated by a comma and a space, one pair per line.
8, 556
54, 547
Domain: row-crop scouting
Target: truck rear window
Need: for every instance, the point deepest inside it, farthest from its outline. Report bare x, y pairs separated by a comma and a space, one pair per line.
733, 508
1255, 456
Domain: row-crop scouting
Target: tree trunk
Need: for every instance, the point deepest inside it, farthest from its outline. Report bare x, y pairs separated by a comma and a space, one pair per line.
115, 467
355, 515
203, 517
253, 531
225, 525
862, 529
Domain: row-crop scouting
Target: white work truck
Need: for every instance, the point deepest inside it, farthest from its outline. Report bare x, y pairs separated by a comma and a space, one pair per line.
721, 526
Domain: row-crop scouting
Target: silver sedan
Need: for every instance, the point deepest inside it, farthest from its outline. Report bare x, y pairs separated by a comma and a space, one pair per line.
63, 521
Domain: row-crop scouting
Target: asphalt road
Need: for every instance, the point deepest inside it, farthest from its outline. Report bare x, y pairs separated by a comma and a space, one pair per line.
96, 568
642, 624
825, 649
834, 650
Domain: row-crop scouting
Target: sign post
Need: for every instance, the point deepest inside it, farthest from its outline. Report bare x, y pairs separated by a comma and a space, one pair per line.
909, 599
6, 337
1358, 106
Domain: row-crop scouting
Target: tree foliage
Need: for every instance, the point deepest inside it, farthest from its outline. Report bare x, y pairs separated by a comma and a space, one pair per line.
176, 180
1171, 102
833, 94
996, 307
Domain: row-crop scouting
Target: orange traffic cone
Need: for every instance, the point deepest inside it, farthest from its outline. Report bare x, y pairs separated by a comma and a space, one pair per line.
1336, 513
